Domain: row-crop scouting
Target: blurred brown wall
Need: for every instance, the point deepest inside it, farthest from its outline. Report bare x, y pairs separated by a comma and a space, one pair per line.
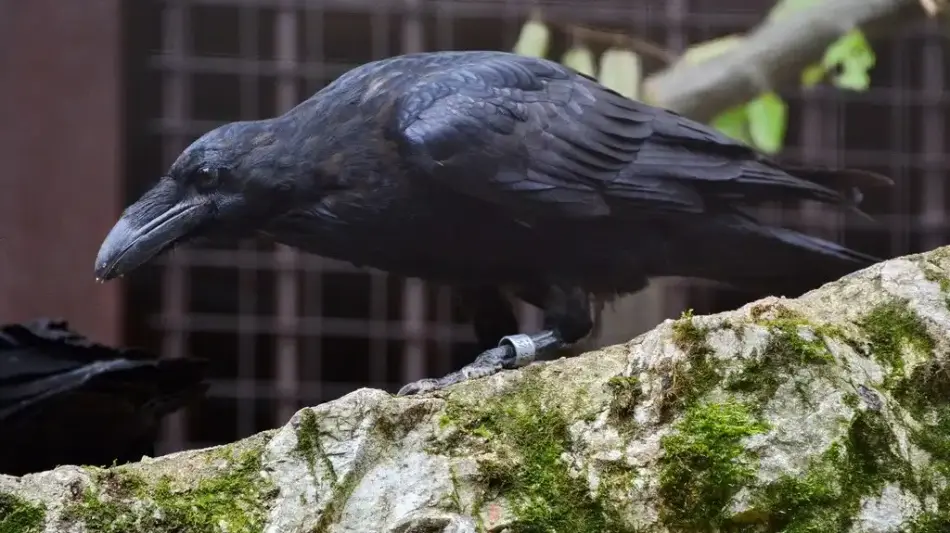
59, 159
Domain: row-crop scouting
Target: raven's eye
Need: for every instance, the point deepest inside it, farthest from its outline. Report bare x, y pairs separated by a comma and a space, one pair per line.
206, 178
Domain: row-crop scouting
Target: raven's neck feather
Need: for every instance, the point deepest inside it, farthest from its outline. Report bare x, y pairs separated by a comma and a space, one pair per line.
336, 146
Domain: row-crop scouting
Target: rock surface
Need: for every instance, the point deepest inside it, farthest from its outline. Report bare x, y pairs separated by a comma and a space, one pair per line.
827, 413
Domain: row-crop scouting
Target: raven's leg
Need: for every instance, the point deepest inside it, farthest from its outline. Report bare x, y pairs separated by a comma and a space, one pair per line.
491, 314
566, 320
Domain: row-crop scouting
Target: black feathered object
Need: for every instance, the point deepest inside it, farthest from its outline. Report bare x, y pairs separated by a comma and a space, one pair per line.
497, 174
67, 400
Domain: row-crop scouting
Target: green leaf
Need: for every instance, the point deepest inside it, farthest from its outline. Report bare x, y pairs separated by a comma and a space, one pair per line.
579, 58
812, 75
621, 70
768, 116
734, 122
533, 39
851, 54
854, 57
854, 80
711, 48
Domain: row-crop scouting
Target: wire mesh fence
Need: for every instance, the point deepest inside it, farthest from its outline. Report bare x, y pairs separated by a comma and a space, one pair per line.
285, 329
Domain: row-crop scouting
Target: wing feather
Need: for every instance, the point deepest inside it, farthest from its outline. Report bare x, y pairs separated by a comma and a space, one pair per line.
536, 136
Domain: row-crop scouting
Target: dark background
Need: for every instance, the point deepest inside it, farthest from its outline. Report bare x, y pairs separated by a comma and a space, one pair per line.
99, 96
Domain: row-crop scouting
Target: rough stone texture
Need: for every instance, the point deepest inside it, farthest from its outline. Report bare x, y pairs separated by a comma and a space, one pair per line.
825, 413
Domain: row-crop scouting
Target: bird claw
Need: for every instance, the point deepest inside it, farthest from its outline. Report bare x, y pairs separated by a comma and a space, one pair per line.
419, 387
514, 351
488, 363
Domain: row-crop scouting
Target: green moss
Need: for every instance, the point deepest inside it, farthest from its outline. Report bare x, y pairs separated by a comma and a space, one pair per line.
872, 451
930, 522
455, 498
387, 428
308, 438
692, 378
851, 399
524, 439
938, 277
308, 445
342, 491
788, 349
20, 516
704, 464
933, 272
802, 504
233, 502
703, 467
106, 508
689, 337
935, 439
625, 392
310, 448
890, 327
926, 388
773, 311
616, 479
828, 495
393, 425
925, 393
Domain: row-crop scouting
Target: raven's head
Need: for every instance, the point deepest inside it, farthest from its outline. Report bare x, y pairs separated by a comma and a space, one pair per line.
222, 184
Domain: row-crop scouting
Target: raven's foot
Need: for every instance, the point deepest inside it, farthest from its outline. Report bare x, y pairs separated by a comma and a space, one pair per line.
514, 351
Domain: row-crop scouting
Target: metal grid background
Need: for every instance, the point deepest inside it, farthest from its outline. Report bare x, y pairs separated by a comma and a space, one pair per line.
284, 329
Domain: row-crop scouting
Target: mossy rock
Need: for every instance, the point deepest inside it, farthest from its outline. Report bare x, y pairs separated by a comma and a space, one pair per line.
18, 515
826, 413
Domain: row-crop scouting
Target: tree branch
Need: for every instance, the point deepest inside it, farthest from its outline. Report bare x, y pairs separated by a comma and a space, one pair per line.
772, 55
640, 46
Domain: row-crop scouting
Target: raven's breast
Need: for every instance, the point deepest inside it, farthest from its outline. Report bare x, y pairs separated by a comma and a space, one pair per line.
447, 239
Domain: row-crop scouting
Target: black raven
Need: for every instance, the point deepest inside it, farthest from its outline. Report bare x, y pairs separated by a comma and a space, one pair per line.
67, 400
497, 174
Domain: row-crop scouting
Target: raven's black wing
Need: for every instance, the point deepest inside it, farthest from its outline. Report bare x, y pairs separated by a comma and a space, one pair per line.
538, 137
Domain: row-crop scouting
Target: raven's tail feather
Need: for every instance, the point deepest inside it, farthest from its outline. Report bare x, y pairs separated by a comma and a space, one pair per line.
837, 177
845, 257
791, 263
848, 182
763, 259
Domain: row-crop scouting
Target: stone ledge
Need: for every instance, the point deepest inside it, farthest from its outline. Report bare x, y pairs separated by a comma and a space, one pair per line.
828, 412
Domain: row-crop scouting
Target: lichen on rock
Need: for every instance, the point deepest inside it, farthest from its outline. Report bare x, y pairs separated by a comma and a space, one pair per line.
829, 412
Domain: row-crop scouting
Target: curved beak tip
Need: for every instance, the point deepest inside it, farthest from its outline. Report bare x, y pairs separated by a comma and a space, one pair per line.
134, 241
113, 247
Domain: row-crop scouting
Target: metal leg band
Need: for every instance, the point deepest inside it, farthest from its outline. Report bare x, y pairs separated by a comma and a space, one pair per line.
524, 346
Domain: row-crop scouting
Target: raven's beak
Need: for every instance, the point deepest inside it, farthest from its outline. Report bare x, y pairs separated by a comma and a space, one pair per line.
153, 224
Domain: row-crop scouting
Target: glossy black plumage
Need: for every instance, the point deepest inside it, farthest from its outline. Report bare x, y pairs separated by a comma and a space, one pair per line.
67, 400
488, 170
